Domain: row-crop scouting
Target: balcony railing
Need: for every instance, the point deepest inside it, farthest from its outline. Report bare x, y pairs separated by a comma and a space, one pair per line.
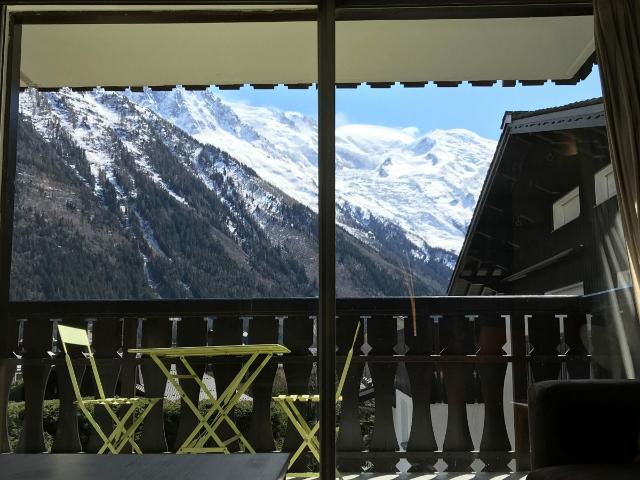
445, 353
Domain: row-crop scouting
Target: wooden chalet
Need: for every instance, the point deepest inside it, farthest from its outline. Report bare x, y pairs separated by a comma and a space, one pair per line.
547, 220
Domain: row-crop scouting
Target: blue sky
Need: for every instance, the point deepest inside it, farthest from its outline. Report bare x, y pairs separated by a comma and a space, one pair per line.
479, 109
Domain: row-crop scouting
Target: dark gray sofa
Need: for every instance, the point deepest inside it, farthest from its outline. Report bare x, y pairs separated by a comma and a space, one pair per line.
584, 430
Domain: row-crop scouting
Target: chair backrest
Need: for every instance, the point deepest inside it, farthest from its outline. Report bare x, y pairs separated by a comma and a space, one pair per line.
78, 336
345, 369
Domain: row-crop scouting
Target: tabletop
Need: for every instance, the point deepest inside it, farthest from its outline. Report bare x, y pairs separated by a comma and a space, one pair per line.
213, 350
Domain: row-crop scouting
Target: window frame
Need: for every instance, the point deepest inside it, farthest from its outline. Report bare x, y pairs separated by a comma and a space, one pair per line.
10, 57
558, 208
326, 138
601, 184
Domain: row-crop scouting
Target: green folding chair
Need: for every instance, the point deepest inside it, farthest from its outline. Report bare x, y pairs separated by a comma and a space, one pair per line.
121, 435
288, 403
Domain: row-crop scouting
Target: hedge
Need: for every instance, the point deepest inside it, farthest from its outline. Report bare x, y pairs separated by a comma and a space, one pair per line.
242, 412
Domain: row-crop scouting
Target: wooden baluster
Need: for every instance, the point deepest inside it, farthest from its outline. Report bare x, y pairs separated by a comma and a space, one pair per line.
106, 340
520, 381
129, 369
36, 367
67, 437
156, 332
607, 360
8, 364
544, 338
263, 330
382, 336
227, 330
491, 339
298, 337
438, 393
191, 332
421, 376
350, 434
576, 338
457, 336
127, 381
473, 388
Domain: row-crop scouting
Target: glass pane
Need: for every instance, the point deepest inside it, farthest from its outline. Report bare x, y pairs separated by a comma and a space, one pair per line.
197, 205
165, 194
481, 219
529, 239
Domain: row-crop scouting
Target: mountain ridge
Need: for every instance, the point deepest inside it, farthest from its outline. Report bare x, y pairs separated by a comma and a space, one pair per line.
194, 221
441, 171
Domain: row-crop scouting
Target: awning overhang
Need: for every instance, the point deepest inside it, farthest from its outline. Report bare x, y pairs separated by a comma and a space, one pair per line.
237, 51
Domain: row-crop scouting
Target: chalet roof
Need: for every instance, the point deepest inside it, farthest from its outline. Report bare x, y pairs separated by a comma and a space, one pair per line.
519, 114
264, 45
583, 114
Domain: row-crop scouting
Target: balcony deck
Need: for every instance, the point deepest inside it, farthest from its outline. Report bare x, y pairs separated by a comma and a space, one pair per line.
443, 379
261, 466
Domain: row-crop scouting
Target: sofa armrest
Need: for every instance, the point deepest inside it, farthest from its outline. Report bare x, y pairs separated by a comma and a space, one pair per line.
584, 421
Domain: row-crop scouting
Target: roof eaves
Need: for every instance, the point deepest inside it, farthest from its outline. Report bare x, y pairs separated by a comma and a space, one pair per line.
486, 188
517, 115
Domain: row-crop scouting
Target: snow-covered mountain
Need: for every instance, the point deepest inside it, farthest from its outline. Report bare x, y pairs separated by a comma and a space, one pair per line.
426, 184
197, 202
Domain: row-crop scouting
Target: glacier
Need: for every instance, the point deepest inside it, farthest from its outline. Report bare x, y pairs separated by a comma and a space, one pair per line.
427, 184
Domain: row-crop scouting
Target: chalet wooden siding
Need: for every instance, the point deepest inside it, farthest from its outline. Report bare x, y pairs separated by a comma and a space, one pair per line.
548, 214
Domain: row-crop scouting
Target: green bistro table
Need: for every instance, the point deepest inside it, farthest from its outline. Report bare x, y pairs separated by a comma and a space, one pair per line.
218, 414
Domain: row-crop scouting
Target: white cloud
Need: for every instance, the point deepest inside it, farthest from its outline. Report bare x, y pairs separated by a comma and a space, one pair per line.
341, 119
413, 131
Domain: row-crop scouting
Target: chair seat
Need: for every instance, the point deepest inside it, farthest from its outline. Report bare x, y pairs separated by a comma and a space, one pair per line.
120, 401
301, 398
298, 398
